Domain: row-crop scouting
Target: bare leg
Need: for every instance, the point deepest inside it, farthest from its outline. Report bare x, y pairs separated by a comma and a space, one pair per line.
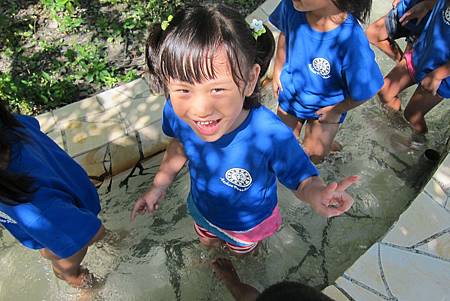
396, 81
224, 269
318, 139
378, 36
420, 104
74, 275
213, 243
290, 121
206, 238
69, 269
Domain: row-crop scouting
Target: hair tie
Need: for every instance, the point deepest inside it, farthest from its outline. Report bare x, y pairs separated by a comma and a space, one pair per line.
257, 28
166, 23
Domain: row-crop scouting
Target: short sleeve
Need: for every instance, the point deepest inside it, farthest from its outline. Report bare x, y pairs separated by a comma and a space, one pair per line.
279, 16
168, 119
361, 72
29, 121
289, 161
62, 227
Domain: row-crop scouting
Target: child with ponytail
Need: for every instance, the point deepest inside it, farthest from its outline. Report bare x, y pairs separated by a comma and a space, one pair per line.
208, 62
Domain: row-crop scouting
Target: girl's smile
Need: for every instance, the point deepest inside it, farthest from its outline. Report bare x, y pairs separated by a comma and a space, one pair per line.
209, 127
213, 107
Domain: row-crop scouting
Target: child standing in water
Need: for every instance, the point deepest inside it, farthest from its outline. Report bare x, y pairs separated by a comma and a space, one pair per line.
427, 64
47, 201
323, 67
207, 62
406, 19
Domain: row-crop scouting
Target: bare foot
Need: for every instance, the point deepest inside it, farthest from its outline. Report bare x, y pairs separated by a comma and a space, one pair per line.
394, 105
336, 146
224, 269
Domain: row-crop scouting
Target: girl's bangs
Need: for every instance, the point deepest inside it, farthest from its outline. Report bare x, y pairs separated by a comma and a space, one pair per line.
187, 60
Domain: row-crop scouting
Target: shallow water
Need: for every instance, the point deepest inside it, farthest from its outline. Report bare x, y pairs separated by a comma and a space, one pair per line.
159, 258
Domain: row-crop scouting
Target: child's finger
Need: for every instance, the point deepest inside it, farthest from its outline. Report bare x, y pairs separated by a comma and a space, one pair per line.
333, 212
328, 191
347, 182
139, 207
330, 212
345, 202
406, 17
153, 208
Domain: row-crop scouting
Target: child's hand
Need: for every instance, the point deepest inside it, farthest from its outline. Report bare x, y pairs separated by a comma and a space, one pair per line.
328, 115
276, 83
395, 3
333, 200
418, 11
148, 202
431, 82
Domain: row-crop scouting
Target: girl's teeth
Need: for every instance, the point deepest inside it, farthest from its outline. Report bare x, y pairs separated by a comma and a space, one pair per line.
204, 122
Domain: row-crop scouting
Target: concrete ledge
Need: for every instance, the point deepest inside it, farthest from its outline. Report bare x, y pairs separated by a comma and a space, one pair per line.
110, 132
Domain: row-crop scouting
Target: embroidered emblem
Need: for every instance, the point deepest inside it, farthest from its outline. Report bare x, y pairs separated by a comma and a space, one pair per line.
320, 66
237, 178
5, 218
446, 15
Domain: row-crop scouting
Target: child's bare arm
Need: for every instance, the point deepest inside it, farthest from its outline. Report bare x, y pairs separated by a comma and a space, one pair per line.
433, 80
332, 114
173, 160
327, 200
280, 59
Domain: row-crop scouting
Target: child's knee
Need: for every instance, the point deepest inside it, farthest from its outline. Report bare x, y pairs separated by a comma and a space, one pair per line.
372, 33
317, 154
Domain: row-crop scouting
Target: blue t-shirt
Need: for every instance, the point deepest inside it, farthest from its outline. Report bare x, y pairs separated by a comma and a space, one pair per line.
62, 214
323, 68
432, 48
233, 179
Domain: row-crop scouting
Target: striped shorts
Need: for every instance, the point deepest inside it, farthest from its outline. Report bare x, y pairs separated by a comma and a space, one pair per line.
240, 242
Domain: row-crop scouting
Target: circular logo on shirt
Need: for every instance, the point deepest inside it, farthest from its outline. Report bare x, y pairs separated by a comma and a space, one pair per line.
239, 178
320, 66
446, 15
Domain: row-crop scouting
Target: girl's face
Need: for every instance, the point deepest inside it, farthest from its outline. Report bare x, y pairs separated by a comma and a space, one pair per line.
310, 5
213, 107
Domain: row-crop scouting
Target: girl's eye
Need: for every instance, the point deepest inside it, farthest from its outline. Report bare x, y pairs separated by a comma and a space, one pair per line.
217, 90
182, 91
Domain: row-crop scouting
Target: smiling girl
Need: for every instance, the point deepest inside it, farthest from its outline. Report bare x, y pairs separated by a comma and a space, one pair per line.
208, 62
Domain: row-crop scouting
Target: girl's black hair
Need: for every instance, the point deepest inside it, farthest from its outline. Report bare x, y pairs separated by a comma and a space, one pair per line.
15, 188
360, 9
290, 291
184, 50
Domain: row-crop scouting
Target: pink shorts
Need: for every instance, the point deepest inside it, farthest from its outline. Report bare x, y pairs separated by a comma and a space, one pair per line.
237, 241
410, 64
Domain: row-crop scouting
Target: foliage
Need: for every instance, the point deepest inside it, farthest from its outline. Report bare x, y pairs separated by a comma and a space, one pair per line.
54, 52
